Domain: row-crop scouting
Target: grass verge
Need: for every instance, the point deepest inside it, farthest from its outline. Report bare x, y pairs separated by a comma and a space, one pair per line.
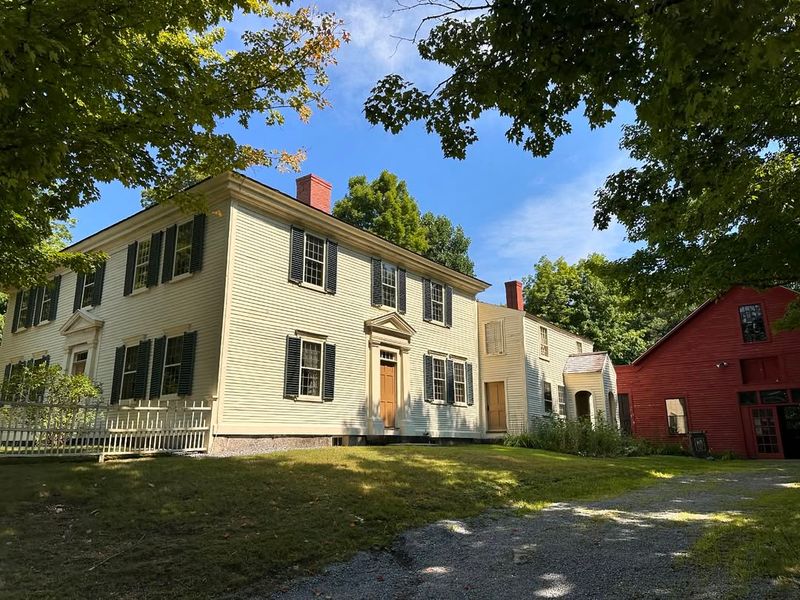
763, 541
175, 527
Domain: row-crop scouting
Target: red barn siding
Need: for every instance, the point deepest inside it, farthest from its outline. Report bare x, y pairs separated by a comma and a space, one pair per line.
684, 364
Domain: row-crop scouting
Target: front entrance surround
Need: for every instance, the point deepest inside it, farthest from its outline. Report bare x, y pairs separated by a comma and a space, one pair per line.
390, 333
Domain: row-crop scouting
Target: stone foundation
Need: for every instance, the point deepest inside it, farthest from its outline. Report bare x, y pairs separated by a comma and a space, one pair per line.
224, 445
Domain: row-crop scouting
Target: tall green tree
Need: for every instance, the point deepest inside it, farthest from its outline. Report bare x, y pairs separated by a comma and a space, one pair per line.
93, 92
712, 200
447, 243
588, 298
385, 207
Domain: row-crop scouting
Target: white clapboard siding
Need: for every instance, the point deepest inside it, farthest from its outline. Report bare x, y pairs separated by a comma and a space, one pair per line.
264, 308
539, 369
193, 302
508, 367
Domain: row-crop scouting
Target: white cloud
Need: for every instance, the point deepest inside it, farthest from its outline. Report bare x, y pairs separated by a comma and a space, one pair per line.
557, 222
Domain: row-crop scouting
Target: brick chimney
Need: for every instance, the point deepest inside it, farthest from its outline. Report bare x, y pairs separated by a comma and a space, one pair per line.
514, 295
314, 191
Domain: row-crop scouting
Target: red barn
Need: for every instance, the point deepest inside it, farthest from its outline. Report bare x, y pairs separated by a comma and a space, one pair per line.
722, 371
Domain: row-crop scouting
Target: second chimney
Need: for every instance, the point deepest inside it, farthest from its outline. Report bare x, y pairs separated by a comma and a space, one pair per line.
514, 295
314, 191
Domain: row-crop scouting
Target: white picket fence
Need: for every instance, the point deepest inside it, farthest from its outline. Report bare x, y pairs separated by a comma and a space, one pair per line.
95, 428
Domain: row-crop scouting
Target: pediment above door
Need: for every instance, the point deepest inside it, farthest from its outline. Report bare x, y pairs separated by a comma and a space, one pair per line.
391, 324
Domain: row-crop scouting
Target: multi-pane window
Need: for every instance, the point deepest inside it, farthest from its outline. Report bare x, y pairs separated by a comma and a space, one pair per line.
183, 248
544, 346
24, 307
562, 400
676, 415
129, 372
751, 318
493, 333
311, 368
459, 382
47, 300
87, 296
547, 391
314, 262
79, 360
172, 365
439, 379
437, 302
389, 285
579, 347
142, 266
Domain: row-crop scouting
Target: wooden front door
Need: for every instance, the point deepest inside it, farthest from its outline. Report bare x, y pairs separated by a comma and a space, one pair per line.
388, 393
496, 406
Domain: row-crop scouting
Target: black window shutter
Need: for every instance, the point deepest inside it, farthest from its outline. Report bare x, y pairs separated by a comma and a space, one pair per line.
377, 282
158, 367
116, 383
81, 277
142, 364
448, 306
296, 258
427, 364
33, 294
426, 300
54, 292
291, 384
329, 373
468, 377
451, 387
130, 268
38, 296
169, 254
198, 242
401, 291
331, 267
17, 305
155, 258
99, 279
186, 377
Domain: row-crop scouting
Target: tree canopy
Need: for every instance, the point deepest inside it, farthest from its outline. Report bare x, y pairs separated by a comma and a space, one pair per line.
712, 198
385, 207
587, 298
92, 92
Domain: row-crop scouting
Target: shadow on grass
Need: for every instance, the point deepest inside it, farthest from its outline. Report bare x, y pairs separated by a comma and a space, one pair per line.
178, 526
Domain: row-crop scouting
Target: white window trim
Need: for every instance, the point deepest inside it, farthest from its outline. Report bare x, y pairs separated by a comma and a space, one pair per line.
384, 265
324, 262
83, 289
164, 366
306, 397
89, 358
434, 379
146, 264
42, 318
544, 343
26, 294
134, 348
681, 400
179, 276
553, 403
433, 320
456, 383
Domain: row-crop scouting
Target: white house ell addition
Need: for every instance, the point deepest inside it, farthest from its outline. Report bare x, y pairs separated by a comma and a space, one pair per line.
288, 321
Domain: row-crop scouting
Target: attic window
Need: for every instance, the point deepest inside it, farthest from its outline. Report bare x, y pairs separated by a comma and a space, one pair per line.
579, 347
751, 318
544, 347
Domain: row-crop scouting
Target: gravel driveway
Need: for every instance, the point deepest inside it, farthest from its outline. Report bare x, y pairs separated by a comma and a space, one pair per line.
626, 547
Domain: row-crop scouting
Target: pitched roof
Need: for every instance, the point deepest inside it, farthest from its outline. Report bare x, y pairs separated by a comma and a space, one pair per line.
587, 362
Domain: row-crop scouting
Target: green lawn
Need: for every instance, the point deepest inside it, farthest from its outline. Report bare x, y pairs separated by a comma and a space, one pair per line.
177, 527
762, 542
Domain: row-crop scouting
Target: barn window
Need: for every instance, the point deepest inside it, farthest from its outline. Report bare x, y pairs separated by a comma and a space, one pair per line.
676, 415
751, 317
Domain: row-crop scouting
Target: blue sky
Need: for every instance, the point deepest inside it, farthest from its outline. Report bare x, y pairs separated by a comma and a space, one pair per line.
515, 207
